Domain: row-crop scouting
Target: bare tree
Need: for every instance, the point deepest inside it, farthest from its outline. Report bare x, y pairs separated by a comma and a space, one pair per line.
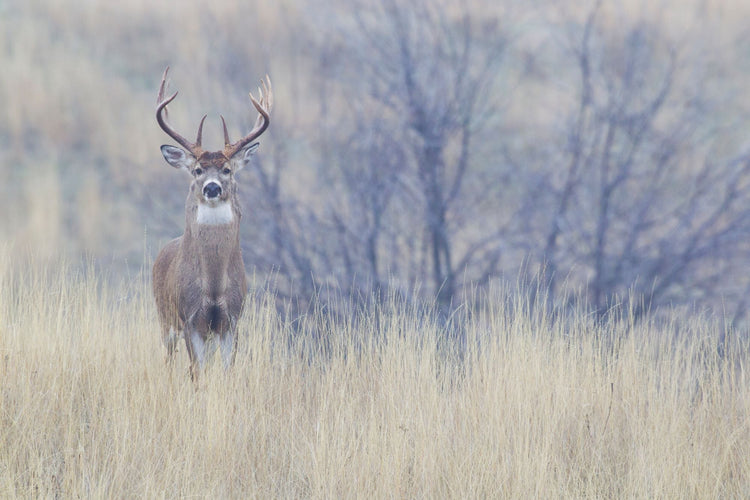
627, 190
416, 78
648, 204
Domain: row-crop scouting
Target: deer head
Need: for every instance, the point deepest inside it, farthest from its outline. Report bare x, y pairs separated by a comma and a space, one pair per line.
212, 170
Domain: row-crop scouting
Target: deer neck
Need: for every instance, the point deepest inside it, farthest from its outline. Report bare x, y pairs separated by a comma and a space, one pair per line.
211, 242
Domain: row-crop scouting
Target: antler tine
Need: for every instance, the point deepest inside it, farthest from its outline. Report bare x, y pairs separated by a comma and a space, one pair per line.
162, 88
261, 123
161, 115
199, 138
269, 94
266, 98
226, 134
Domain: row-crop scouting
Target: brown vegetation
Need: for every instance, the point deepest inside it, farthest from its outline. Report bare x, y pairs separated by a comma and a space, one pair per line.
534, 406
427, 152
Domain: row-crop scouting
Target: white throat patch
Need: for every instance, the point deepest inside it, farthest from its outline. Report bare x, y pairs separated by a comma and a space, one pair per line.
215, 216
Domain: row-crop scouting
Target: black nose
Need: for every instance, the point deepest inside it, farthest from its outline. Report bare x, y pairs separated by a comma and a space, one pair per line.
211, 190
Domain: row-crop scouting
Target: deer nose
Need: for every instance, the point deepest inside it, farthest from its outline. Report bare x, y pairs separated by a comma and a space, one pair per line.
211, 190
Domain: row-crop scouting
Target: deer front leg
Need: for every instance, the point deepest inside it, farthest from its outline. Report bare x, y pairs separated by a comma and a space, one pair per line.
228, 345
196, 348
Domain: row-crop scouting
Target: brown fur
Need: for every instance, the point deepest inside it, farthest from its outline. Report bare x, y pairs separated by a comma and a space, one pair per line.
199, 278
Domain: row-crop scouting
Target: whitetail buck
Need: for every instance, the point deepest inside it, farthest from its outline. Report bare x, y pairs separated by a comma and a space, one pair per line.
199, 278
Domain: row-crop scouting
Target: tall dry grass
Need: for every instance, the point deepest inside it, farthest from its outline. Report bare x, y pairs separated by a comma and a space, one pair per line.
536, 406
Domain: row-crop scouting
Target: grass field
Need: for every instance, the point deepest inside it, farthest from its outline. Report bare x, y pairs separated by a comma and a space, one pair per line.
537, 408
539, 402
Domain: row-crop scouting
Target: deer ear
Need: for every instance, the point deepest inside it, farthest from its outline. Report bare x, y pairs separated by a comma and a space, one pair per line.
244, 155
177, 157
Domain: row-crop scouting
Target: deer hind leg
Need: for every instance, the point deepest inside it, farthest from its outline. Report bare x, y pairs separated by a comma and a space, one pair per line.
170, 337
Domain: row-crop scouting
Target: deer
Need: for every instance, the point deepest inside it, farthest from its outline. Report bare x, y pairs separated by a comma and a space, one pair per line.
199, 282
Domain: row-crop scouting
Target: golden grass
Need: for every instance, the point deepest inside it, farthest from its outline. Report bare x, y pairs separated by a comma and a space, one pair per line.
539, 407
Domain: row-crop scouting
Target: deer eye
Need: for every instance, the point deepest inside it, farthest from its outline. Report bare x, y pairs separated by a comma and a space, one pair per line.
226, 171
198, 171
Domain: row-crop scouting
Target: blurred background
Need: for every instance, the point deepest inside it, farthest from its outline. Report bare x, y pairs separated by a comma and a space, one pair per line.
425, 149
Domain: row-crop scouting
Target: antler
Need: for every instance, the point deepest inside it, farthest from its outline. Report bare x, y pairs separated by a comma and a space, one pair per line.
261, 123
161, 105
